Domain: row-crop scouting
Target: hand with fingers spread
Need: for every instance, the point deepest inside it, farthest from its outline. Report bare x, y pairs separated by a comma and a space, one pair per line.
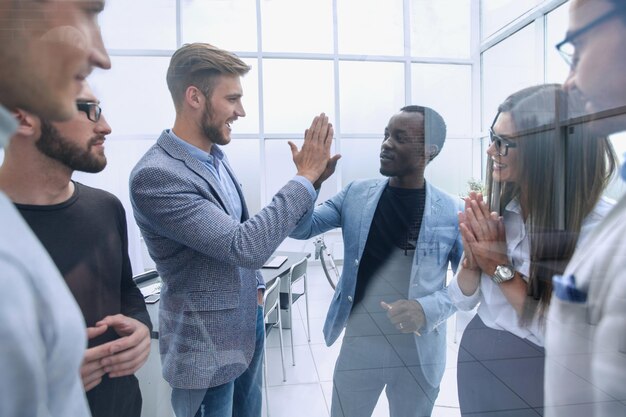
128, 353
406, 315
312, 161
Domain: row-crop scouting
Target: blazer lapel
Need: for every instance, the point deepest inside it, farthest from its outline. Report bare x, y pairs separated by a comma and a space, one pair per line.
371, 202
244, 207
176, 151
430, 218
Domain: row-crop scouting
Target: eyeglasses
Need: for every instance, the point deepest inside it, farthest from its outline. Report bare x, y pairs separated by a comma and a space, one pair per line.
91, 109
502, 144
567, 47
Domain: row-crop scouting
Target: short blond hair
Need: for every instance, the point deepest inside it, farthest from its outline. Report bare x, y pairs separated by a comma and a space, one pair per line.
199, 64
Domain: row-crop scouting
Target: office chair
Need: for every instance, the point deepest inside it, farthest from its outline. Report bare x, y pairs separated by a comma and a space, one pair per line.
271, 303
297, 272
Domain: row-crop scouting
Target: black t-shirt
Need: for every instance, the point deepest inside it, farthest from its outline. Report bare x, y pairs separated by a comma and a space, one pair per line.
86, 237
396, 224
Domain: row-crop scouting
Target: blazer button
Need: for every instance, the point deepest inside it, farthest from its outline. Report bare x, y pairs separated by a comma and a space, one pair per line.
350, 298
356, 262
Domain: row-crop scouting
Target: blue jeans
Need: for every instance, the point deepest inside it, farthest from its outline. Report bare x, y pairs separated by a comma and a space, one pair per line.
241, 397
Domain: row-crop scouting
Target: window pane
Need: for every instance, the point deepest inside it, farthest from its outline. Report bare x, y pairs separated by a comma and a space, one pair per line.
131, 24
370, 27
122, 156
250, 99
134, 95
508, 67
360, 159
297, 25
447, 89
440, 28
294, 92
370, 93
228, 24
452, 168
279, 169
556, 26
497, 13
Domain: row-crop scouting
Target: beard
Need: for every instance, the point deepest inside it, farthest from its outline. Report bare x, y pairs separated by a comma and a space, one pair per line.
212, 131
55, 146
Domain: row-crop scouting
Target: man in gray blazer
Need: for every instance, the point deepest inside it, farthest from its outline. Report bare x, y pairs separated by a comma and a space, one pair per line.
193, 216
585, 372
400, 234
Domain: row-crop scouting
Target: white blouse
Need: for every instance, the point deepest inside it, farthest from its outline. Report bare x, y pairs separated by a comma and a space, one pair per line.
494, 309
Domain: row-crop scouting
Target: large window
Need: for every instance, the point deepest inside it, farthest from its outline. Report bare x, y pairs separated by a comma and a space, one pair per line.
358, 62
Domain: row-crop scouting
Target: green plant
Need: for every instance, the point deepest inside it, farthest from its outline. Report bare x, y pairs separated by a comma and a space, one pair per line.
474, 185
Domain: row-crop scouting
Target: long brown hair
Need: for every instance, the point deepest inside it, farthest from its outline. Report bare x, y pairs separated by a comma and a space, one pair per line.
562, 174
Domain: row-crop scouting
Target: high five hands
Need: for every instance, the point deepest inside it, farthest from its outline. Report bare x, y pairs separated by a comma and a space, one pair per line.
313, 161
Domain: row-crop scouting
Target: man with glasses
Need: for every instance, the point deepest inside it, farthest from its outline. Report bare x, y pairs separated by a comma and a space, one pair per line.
48, 48
84, 231
586, 323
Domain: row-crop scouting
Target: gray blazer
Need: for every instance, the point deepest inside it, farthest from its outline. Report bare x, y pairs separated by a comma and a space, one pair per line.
208, 262
439, 245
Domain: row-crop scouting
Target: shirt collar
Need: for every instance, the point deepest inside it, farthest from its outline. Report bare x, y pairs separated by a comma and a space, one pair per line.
8, 126
198, 153
514, 206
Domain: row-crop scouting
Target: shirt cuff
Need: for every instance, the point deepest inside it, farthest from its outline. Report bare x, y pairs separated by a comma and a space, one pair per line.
461, 301
307, 184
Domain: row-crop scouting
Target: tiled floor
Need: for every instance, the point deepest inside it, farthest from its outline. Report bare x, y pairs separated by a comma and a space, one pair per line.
307, 391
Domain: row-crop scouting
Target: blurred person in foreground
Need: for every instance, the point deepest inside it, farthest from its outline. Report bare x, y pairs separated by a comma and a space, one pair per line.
586, 324
48, 48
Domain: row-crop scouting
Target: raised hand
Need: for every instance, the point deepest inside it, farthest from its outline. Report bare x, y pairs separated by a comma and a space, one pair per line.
311, 161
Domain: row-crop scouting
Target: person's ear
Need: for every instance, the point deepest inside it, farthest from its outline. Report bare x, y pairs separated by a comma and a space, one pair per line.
432, 151
194, 97
28, 124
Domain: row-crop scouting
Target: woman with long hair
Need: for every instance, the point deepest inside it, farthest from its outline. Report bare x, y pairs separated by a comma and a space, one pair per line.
544, 192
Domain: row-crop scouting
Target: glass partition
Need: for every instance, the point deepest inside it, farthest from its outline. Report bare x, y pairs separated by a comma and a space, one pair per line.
370, 92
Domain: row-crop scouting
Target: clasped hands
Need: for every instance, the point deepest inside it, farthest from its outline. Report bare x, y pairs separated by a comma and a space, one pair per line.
120, 357
483, 235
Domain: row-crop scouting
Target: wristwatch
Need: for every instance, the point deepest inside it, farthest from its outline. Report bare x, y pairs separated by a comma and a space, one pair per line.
503, 273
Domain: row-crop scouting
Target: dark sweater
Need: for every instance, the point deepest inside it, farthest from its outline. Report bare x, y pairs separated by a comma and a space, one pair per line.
86, 237
396, 224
